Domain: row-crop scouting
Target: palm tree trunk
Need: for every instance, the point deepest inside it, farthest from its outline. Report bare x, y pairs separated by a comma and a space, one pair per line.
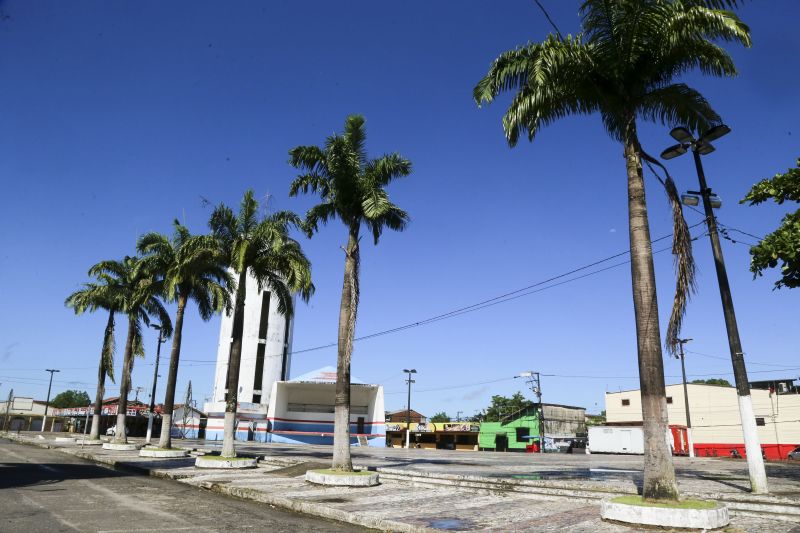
229, 429
165, 441
347, 323
94, 434
125, 383
659, 472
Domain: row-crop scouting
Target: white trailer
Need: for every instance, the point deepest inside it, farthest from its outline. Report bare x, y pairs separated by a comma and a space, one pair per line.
616, 439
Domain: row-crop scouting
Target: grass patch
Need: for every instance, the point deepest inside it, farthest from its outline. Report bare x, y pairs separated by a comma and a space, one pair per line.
331, 472
681, 504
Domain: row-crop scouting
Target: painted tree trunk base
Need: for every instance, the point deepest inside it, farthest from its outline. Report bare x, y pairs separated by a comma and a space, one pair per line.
229, 428
165, 439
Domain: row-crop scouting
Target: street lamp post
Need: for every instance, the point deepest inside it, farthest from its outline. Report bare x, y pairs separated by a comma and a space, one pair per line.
702, 146
155, 380
689, 436
47, 403
408, 406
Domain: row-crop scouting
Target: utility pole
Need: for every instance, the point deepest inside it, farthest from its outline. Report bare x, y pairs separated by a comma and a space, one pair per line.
155, 380
408, 405
47, 403
458, 416
138, 390
703, 146
535, 385
8, 409
689, 437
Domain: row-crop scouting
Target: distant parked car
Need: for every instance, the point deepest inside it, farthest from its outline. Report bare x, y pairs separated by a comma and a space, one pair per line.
794, 455
112, 431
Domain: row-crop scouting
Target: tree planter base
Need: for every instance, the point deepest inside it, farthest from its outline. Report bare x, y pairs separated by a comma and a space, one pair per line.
89, 442
215, 461
120, 447
149, 452
665, 516
66, 439
350, 479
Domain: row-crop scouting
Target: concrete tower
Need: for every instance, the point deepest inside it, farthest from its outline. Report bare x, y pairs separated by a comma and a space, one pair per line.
266, 357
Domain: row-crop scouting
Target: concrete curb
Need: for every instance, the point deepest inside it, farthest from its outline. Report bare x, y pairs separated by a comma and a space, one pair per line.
205, 461
171, 454
342, 480
120, 447
665, 516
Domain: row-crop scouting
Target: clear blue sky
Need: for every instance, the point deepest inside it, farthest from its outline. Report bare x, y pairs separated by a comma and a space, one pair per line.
119, 117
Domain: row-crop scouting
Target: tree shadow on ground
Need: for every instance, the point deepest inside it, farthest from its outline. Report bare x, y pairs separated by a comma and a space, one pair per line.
15, 475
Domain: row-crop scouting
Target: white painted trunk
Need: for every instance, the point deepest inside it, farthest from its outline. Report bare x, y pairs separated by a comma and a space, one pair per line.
229, 428
119, 436
94, 434
149, 428
755, 462
166, 439
690, 438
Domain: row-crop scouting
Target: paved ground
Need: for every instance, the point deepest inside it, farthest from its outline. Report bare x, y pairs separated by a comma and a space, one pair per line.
405, 501
701, 475
43, 490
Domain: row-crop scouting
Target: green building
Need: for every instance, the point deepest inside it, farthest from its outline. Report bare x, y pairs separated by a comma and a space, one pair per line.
510, 433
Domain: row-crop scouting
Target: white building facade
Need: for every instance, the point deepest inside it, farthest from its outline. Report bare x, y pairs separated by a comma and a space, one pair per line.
716, 424
266, 359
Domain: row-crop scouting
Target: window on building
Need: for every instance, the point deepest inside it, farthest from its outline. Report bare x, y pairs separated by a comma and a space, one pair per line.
522, 433
625, 402
760, 421
669, 399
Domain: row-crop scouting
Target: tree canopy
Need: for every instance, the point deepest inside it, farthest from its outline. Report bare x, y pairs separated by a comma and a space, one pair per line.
713, 381
503, 406
781, 248
71, 398
441, 416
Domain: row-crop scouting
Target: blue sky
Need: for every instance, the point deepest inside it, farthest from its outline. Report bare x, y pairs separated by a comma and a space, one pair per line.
121, 116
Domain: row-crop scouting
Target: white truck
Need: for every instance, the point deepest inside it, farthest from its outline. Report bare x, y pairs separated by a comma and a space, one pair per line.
620, 439
616, 439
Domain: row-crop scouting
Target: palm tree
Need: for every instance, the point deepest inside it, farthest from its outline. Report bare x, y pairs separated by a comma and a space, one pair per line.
351, 188
192, 267
139, 292
262, 248
622, 66
104, 294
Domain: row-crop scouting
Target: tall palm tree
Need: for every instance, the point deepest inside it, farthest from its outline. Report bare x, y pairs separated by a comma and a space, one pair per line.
139, 292
192, 267
261, 247
104, 294
351, 188
622, 66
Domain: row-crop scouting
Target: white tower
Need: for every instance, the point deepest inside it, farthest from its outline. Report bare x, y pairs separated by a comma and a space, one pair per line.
266, 352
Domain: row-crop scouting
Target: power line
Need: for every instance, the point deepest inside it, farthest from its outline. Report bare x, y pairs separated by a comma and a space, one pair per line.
489, 302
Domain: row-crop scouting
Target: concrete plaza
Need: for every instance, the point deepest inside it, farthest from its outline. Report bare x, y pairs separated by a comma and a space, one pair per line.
435, 490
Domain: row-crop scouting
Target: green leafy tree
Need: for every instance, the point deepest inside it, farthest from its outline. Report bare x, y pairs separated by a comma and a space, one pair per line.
713, 381
71, 398
781, 248
623, 66
139, 299
352, 189
106, 293
261, 247
441, 416
191, 267
503, 406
